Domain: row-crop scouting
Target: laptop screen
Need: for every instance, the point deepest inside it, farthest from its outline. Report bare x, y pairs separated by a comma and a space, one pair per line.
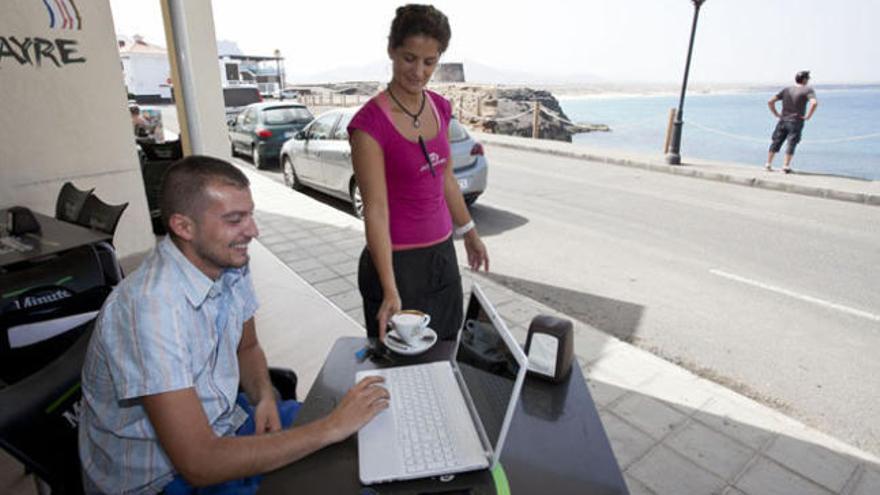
488, 366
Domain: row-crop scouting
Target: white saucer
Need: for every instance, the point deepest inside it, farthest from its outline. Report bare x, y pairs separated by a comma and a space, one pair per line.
407, 350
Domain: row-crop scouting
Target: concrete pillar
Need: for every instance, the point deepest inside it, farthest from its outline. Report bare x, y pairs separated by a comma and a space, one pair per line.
195, 70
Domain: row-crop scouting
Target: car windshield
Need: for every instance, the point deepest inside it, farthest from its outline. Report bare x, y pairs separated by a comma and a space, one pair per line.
239, 97
456, 131
286, 115
342, 127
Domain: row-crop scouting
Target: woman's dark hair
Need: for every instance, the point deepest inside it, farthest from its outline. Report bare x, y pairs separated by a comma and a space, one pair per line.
414, 20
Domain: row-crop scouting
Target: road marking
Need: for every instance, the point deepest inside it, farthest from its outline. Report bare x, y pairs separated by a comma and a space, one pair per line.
802, 297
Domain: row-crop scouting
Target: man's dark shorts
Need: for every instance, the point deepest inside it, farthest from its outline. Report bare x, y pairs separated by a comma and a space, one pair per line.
790, 129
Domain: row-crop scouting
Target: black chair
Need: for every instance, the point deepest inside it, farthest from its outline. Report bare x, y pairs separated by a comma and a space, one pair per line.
153, 172
284, 380
109, 263
70, 202
168, 151
156, 158
41, 308
98, 215
31, 338
76, 269
39, 419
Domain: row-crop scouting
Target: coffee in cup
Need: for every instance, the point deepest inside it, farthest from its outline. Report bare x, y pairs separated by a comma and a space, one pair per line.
410, 325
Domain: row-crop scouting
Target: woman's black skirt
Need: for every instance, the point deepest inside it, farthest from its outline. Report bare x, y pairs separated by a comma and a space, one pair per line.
427, 279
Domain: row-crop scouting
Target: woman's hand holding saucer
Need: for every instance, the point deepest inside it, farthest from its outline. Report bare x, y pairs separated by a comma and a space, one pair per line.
390, 305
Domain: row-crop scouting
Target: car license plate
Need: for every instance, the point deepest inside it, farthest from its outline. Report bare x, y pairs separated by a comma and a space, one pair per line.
289, 134
463, 184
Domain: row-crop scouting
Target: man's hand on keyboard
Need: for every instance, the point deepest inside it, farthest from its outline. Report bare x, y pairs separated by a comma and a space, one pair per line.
357, 408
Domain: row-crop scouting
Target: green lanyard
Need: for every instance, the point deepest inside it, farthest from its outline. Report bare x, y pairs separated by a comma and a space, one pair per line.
502, 487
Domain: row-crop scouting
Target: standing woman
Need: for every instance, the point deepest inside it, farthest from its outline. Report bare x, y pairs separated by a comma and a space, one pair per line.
412, 203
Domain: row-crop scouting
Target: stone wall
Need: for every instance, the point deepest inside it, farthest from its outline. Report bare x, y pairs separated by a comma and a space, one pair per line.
449, 73
495, 109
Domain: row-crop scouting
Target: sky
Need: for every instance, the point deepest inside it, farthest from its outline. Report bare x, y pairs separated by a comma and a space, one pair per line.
614, 41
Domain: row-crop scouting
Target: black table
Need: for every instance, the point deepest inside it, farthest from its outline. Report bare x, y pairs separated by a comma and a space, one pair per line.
556, 443
56, 236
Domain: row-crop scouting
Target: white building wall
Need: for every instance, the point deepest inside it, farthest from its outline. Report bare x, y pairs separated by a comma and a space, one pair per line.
148, 74
126, 73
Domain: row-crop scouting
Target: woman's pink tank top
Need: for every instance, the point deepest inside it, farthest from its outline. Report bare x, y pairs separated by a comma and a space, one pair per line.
417, 210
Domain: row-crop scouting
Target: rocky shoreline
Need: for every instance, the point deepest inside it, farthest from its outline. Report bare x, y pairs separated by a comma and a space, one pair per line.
507, 110
510, 110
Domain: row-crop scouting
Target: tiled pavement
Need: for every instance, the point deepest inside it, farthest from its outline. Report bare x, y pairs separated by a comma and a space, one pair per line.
672, 431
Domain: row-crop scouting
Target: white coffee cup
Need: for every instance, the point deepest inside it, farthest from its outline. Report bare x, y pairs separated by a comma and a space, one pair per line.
410, 325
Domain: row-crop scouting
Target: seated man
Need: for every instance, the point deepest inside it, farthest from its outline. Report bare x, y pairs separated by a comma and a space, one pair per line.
173, 343
141, 128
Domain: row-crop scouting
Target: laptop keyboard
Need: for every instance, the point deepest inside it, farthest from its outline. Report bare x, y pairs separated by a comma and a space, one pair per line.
422, 428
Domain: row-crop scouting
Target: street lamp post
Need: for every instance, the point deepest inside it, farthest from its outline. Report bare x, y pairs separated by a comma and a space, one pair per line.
674, 156
278, 74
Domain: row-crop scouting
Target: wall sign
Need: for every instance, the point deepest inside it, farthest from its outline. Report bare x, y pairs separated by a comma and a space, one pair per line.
34, 50
37, 50
64, 15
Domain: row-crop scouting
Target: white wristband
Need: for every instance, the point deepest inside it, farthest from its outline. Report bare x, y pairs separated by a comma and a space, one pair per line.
464, 229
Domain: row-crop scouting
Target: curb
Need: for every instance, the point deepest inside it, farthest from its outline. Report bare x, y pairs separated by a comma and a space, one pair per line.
818, 192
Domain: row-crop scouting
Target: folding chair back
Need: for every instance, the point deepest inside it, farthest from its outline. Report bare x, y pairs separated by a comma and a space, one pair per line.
70, 202
99, 215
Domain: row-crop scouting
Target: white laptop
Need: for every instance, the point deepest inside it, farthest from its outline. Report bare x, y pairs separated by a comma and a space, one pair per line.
450, 416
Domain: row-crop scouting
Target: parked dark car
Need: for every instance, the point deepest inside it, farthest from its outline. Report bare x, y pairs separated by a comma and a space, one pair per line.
235, 98
320, 157
261, 128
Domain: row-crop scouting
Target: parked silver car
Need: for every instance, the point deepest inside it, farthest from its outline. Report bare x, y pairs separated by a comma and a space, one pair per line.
319, 157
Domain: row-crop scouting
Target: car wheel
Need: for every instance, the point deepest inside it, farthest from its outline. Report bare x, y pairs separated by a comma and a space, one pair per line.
470, 199
290, 178
357, 201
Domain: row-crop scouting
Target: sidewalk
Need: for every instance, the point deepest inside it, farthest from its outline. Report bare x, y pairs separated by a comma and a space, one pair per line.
672, 431
806, 183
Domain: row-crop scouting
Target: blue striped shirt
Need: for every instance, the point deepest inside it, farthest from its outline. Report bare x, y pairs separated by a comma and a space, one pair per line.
166, 327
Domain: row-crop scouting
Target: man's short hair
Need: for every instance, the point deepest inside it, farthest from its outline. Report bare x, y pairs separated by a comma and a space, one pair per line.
802, 77
185, 183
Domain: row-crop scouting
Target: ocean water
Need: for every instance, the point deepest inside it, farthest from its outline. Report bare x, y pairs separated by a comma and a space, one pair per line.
842, 138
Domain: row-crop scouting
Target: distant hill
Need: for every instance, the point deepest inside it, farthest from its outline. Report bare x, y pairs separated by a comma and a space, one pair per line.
474, 72
481, 73
378, 70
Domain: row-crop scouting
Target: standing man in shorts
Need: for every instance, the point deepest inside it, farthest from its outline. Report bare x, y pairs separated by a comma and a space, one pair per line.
791, 121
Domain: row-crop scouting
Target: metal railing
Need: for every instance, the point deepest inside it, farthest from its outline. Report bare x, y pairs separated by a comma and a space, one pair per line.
333, 100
